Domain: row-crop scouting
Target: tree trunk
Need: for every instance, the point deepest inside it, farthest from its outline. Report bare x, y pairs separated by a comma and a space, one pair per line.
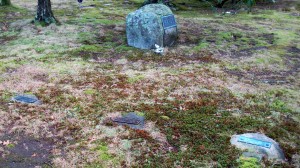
44, 13
4, 2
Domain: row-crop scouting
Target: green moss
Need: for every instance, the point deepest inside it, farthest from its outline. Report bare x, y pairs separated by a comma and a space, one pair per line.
248, 162
135, 79
10, 64
40, 49
231, 66
87, 37
284, 38
11, 145
26, 41
201, 46
90, 48
90, 91
140, 113
279, 105
104, 156
4, 10
123, 48
8, 34
165, 118
225, 36
268, 59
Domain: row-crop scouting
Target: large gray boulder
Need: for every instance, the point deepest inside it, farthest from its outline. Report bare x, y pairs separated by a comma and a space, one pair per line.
152, 24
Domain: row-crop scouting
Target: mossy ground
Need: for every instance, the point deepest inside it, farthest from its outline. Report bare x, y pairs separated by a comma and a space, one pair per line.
228, 74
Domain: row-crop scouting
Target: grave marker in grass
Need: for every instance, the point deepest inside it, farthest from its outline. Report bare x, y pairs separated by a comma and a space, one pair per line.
131, 119
26, 99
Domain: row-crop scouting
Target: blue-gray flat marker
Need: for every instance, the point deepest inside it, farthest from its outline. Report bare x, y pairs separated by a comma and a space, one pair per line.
25, 99
254, 142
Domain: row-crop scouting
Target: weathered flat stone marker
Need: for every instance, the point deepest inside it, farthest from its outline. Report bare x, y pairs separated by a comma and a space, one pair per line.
259, 145
131, 119
27, 99
152, 24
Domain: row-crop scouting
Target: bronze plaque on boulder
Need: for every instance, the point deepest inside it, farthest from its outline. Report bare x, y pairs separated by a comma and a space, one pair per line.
170, 29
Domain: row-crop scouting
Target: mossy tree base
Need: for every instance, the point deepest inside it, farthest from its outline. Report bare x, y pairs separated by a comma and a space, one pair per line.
5, 2
44, 13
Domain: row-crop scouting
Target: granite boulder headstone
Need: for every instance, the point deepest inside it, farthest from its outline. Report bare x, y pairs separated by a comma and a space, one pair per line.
151, 25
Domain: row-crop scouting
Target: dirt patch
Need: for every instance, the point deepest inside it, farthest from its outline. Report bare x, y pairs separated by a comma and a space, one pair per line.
268, 38
279, 5
24, 78
190, 32
292, 60
247, 52
4, 40
25, 151
268, 77
294, 50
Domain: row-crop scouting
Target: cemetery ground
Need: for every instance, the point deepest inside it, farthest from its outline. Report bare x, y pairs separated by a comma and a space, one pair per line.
227, 74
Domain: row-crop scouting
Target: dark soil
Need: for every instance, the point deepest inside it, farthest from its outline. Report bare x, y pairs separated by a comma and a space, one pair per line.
4, 40
283, 5
25, 152
292, 60
190, 32
246, 52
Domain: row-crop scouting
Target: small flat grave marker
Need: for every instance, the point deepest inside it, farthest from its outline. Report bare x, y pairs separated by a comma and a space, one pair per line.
131, 119
28, 99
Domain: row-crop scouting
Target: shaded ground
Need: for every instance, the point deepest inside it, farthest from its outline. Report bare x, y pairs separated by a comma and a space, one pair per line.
228, 74
26, 152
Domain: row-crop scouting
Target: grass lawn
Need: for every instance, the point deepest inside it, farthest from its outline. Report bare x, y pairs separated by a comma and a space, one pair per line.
227, 74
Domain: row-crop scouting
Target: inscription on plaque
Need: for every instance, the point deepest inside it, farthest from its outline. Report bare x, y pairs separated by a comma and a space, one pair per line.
168, 21
254, 142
